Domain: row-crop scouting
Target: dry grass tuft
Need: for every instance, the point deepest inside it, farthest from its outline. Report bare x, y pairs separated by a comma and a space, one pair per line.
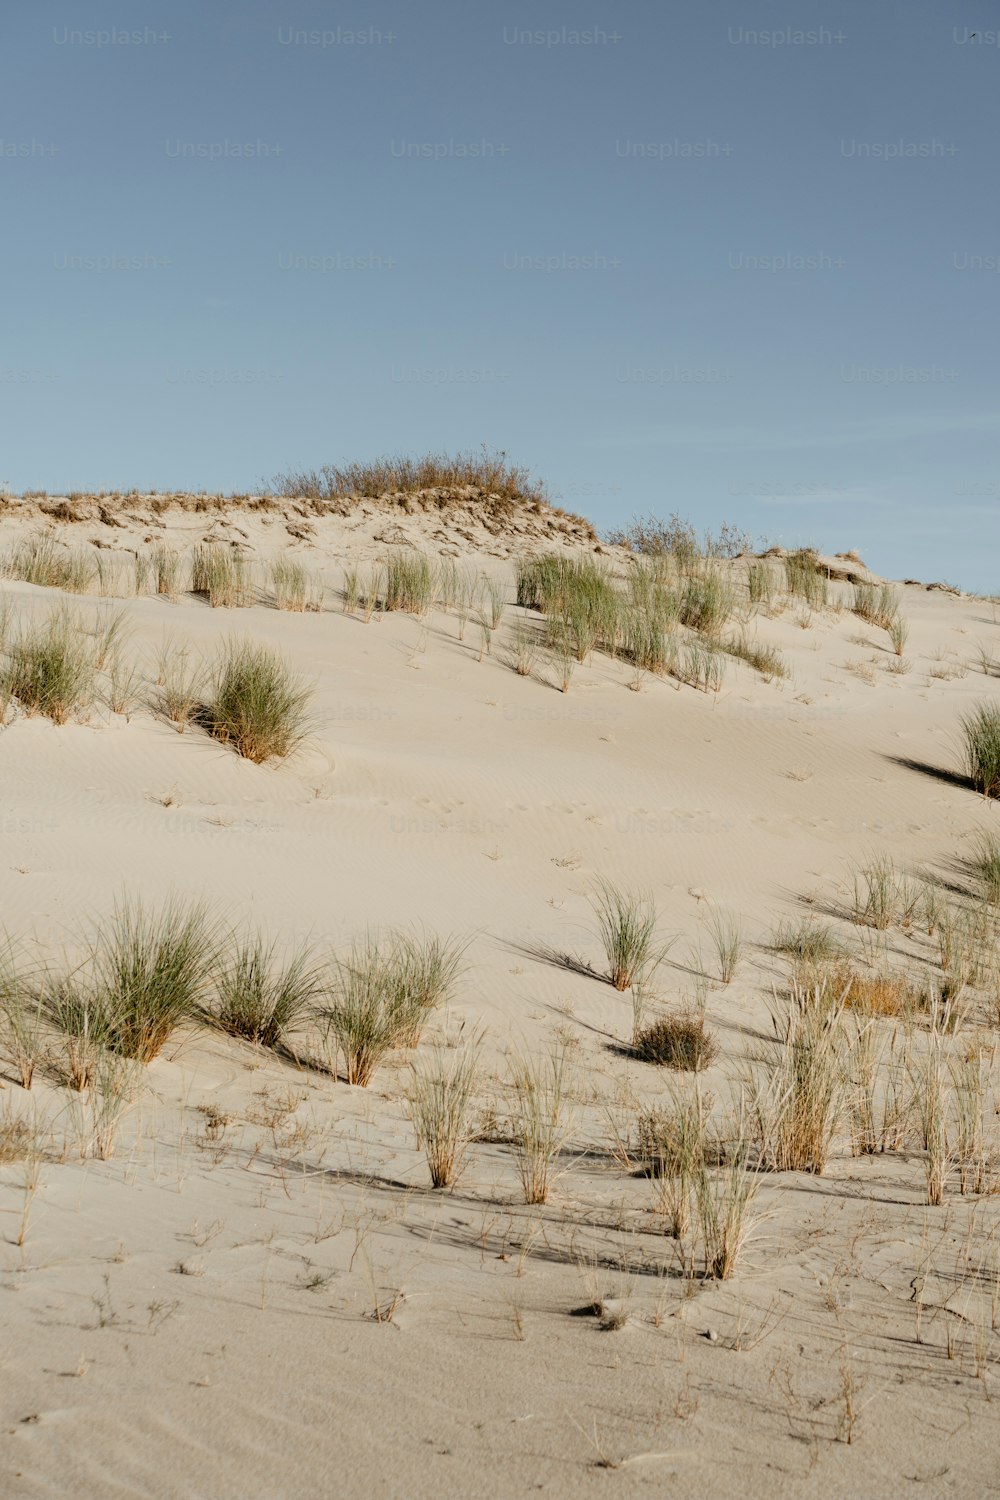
440, 1108
878, 993
294, 587
486, 470
793, 1112
541, 1120
682, 1042
43, 561
222, 575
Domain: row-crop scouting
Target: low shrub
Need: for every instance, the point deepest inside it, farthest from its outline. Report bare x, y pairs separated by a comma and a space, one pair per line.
681, 1042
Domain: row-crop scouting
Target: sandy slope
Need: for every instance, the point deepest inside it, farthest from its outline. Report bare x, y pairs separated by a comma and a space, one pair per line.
193, 1317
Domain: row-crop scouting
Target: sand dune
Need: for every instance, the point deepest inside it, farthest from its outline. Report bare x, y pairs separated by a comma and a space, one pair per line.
258, 1294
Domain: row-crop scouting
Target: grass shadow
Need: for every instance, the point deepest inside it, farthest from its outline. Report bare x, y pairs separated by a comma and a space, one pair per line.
936, 773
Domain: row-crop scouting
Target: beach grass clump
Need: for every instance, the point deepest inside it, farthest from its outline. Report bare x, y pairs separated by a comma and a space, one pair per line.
899, 633
985, 867
41, 560
878, 1086
126, 684
876, 603
767, 660
582, 598
21, 1030
541, 1120
932, 1090
579, 597
492, 599
257, 704
726, 933
294, 587
261, 998
450, 582
762, 585
707, 601
812, 947
701, 665
981, 732
365, 1019
427, 971
682, 1042
351, 590
523, 649
561, 651
882, 897
649, 641
794, 1112
677, 540
805, 579
654, 587
179, 685
222, 575
110, 633
151, 970
653, 536
82, 1021
20, 1141
408, 582
111, 569
537, 582
724, 1202
165, 567
627, 928
675, 1146
382, 994
51, 669
440, 1104
97, 1114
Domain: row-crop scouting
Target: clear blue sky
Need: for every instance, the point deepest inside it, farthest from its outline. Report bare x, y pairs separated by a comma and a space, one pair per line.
729, 258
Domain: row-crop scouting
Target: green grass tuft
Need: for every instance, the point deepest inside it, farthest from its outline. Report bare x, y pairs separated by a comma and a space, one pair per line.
258, 706
981, 729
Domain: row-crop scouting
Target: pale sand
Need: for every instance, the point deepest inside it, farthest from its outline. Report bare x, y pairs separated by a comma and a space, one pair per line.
451, 793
